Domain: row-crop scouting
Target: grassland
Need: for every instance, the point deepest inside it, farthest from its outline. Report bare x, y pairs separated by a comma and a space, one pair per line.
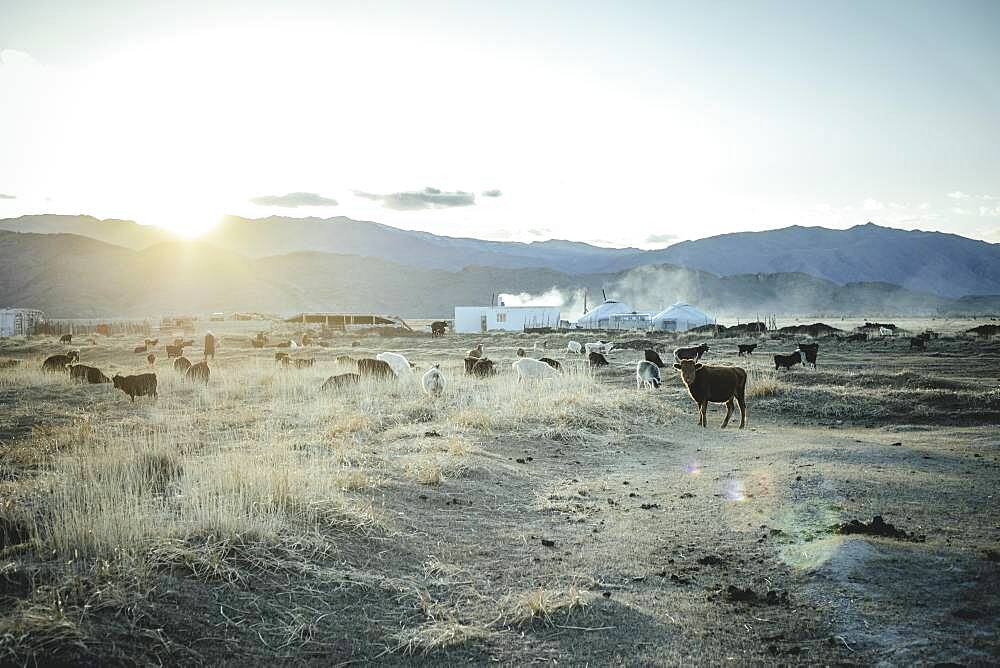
579, 520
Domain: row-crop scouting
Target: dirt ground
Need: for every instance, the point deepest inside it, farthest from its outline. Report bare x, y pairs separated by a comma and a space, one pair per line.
615, 532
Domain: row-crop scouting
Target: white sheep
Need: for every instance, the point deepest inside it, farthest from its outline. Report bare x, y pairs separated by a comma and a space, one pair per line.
598, 347
574, 347
433, 381
646, 375
528, 368
399, 364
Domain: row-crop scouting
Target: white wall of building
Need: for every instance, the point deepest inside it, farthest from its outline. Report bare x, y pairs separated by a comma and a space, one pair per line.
19, 321
469, 319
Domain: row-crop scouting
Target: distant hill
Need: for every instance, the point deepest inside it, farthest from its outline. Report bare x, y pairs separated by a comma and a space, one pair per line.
73, 276
931, 262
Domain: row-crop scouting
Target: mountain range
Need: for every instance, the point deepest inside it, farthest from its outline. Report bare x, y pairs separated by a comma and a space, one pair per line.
73, 275
932, 262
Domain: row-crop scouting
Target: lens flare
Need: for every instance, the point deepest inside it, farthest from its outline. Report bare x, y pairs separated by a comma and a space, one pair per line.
694, 468
734, 491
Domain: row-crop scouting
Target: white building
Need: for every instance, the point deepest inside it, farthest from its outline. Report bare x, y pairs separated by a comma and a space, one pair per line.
472, 319
600, 317
680, 317
19, 321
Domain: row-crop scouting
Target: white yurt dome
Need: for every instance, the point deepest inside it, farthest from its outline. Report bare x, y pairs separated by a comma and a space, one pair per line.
599, 316
681, 317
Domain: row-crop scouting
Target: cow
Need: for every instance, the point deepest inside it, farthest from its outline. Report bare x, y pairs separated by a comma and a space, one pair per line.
375, 368
90, 374
281, 358
787, 361
647, 374
918, 342
345, 359
198, 373
693, 353
182, 364
66, 338
56, 363
138, 350
470, 363
174, 351
304, 363
141, 385
597, 360
810, 351
483, 368
746, 349
716, 384
552, 363
438, 328
654, 357
341, 380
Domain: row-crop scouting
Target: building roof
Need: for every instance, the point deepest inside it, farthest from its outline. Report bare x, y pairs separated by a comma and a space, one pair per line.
603, 312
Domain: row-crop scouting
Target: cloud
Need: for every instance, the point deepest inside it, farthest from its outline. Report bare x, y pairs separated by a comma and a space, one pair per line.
2, 196
872, 205
539, 231
958, 194
13, 57
991, 212
660, 238
428, 198
293, 200
960, 211
491, 193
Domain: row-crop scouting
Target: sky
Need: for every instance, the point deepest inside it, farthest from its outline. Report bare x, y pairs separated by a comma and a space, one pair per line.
615, 123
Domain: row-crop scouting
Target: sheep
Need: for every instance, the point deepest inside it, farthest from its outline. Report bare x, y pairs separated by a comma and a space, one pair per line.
602, 347
400, 366
809, 351
647, 374
56, 363
476, 352
340, 380
375, 368
529, 369
574, 347
787, 361
654, 357
597, 360
746, 349
198, 372
433, 381
182, 364
718, 384
552, 363
692, 353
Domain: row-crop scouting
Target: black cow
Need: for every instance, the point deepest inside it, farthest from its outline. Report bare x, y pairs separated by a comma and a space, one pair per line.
483, 368
654, 357
438, 328
787, 361
552, 363
142, 385
597, 360
90, 374
746, 348
810, 350
692, 353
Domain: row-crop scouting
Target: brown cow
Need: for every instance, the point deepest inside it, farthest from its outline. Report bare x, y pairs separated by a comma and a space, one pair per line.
56, 363
198, 372
90, 374
717, 384
141, 385
182, 364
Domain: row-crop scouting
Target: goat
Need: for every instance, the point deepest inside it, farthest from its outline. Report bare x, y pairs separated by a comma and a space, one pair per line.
530, 369
647, 374
375, 368
433, 381
340, 380
400, 365
574, 347
597, 360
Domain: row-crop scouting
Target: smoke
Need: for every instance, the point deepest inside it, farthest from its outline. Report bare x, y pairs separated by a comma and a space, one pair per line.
570, 302
652, 289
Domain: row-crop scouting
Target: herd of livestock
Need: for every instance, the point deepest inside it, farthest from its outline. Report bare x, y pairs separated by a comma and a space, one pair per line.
705, 383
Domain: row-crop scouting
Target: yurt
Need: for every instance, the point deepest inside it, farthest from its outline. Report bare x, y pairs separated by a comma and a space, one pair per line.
600, 317
680, 317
